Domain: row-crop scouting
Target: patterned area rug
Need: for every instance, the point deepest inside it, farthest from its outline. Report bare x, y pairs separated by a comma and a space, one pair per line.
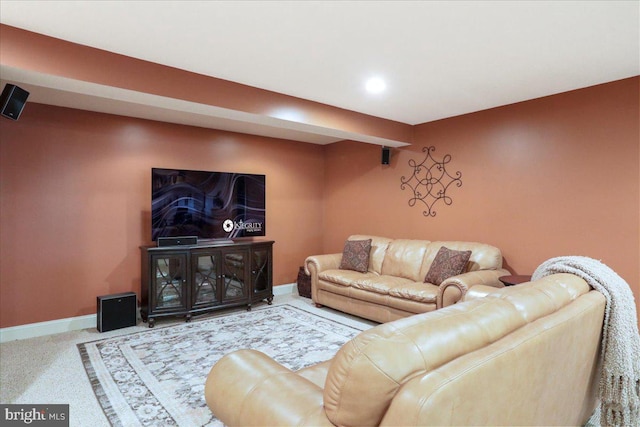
156, 377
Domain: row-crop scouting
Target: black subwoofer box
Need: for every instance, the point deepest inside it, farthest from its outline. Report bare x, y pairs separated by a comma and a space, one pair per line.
116, 311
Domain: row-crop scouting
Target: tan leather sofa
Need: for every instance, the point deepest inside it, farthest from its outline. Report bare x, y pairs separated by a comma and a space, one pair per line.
394, 287
523, 355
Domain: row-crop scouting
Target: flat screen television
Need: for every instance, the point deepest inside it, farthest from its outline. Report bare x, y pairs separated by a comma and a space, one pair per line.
209, 205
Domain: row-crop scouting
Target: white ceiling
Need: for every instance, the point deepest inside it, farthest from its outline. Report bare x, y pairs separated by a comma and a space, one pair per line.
439, 58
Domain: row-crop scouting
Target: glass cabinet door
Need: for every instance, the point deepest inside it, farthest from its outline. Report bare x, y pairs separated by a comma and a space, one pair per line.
206, 278
260, 269
169, 275
234, 269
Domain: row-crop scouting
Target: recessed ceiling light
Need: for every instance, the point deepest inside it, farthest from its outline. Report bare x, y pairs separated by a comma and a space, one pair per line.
375, 85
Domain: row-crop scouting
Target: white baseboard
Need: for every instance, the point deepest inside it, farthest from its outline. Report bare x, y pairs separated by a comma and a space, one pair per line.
289, 288
50, 327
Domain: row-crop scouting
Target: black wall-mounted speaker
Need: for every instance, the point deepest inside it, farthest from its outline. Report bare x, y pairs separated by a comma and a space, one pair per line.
116, 311
178, 241
386, 154
12, 101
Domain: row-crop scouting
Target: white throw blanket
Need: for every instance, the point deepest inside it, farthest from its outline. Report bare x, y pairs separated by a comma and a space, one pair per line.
620, 381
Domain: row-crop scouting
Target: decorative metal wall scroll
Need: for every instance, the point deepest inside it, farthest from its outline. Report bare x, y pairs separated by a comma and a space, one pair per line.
430, 181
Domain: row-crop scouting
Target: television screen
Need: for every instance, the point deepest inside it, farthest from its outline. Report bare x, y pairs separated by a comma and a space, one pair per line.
209, 205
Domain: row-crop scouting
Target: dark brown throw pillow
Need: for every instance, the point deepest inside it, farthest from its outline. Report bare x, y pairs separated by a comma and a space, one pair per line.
447, 263
355, 255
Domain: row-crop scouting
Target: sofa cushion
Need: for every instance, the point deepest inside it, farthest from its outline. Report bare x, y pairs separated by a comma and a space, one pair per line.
399, 307
447, 263
380, 284
416, 291
404, 258
368, 371
355, 255
344, 277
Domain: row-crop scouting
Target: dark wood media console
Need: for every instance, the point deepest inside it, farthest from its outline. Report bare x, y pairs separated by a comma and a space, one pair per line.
194, 279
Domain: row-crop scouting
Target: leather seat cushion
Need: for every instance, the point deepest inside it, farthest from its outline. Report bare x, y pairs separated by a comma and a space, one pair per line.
416, 291
408, 306
344, 277
381, 284
398, 287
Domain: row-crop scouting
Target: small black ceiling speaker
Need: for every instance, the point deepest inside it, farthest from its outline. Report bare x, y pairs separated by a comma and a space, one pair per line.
386, 153
12, 101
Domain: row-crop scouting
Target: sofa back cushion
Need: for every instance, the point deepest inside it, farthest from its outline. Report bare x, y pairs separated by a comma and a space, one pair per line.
368, 371
483, 256
404, 258
546, 373
378, 249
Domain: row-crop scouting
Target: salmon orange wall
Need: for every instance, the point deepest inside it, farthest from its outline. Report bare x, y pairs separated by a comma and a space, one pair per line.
76, 195
549, 177
554, 176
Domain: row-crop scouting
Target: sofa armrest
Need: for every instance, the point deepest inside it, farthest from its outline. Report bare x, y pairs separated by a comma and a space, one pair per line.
247, 387
315, 264
479, 291
453, 289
